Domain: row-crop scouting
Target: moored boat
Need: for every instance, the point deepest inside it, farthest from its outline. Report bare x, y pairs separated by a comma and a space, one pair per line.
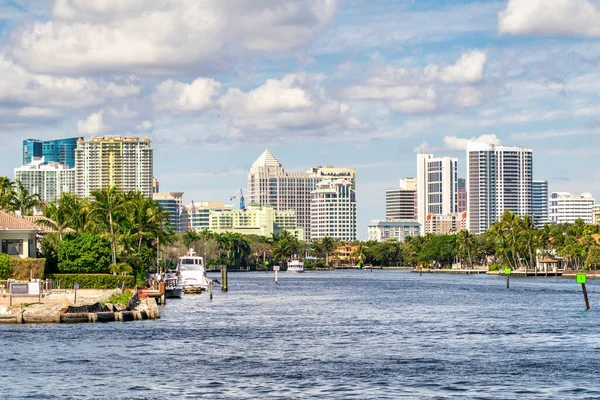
192, 276
295, 265
172, 287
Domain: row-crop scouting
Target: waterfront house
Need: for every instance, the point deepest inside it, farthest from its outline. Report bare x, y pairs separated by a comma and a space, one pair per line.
17, 236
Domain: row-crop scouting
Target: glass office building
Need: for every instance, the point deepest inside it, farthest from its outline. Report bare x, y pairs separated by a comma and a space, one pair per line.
60, 150
32, 149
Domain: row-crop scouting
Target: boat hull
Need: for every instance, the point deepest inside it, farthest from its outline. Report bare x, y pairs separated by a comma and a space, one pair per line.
174, 293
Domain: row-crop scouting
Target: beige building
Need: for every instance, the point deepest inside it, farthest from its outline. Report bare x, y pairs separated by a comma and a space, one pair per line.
446, 224
382, 230
49, 180
124, 162
596, 214
255, 220
269, 183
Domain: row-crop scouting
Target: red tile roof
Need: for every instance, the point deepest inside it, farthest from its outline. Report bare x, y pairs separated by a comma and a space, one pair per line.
10, 221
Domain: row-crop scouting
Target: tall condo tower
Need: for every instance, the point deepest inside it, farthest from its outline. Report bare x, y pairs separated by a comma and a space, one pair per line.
437, 186
270, 184
539, 203
499, 179
124, 162
333, 210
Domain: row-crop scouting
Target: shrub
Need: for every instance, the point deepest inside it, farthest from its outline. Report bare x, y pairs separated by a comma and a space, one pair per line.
83, 253
24, 268
120, 269
94, 281
5, 266
122, 298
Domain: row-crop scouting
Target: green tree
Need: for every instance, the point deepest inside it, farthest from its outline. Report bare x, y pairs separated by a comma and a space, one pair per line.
6, 192
106, 211
22, 201
84, 253
593, 258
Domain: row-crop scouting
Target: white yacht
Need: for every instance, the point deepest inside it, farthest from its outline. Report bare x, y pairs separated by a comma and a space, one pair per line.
295, 265
192, 276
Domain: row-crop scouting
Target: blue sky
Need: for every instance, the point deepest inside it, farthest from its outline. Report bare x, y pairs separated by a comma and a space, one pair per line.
353, 83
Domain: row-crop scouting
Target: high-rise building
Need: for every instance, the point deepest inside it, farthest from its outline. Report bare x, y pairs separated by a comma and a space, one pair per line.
499, 179
49, 180
401, 203
155, 185
566, 207
60, 150
171, 202
333, 210
596, 214
408, 184
382, 231
32, 149
270, 184
255, 220
437, 186
124, 162
539, 203
462, 196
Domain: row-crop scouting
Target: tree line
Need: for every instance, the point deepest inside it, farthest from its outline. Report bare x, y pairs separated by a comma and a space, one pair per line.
117, 231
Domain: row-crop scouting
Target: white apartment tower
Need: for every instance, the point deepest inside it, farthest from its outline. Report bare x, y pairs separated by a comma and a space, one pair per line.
567, 207
437, 186
270, 184
333, 210
48, 180
124, 162
499, 179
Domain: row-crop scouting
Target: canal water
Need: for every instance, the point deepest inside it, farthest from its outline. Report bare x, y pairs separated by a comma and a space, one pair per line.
334, 334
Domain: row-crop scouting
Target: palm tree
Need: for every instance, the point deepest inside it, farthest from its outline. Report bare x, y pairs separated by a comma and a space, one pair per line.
359, 253
327, 244
466, 244
6, 192
22, 201
189, 237
107, 209
148, 220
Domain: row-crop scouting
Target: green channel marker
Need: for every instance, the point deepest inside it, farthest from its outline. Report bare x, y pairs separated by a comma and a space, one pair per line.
506, 271
581, 278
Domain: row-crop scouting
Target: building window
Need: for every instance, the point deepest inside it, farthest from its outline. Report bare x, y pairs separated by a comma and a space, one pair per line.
12, 247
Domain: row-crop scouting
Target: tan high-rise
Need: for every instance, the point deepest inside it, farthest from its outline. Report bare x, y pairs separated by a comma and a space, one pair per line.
269, 183
124, 162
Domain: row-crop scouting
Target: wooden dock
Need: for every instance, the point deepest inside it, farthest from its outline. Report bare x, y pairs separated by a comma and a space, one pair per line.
450, 271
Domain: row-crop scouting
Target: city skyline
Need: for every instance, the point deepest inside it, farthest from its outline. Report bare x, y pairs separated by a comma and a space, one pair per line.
347, 83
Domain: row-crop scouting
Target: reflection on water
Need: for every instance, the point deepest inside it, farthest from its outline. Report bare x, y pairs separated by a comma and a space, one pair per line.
334, 334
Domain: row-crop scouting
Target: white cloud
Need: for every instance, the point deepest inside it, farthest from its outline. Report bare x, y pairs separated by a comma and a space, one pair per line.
460, 144
178, 96
468, 69
92, 125
158, 36
19, 86
295, 102
411, 91
551, 18
37, 112
144, 126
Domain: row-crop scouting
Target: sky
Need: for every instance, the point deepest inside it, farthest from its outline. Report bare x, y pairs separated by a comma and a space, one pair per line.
356, 83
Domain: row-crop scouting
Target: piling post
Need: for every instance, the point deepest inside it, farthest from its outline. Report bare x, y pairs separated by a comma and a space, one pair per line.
210, 289
507, 273
581, 278
224, 278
